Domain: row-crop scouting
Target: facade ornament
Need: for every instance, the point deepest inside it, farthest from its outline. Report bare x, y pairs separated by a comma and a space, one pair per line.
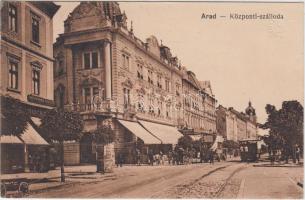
127, 83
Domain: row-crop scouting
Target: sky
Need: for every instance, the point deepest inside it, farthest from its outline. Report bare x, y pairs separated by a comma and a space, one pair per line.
259, 60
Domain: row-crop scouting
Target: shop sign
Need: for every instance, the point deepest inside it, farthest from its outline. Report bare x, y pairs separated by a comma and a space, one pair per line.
39, 100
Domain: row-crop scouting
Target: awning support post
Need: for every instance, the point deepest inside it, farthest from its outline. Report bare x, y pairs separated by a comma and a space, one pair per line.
26, 158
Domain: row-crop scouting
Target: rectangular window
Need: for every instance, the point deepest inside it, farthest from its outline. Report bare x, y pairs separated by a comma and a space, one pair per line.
94, 58
87, 60
177, 89
12, 16
140, 72
125, 61
167, 85
13, 75
95, 91
35, 28
126, 97
36, 82
159, 81
87, 95
150, 76
90, 60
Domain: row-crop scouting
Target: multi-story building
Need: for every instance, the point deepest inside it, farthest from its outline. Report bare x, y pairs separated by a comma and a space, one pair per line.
27, 56
104, 71
199, 104
209, 103
234, 125
226, 123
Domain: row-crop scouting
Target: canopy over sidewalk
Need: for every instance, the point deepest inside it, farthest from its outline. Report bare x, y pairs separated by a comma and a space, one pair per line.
140, 132
167, 134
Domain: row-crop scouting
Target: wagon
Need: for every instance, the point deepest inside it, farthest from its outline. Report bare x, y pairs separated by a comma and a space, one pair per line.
11, 186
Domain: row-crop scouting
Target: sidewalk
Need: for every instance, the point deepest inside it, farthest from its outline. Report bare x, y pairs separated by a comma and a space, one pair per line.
51, 179
268, 182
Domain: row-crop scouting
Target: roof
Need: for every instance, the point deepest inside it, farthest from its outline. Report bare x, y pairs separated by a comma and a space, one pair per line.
140, 132
167, 134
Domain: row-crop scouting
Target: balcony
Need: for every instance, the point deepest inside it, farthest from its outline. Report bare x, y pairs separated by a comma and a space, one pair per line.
130, 109
106, 106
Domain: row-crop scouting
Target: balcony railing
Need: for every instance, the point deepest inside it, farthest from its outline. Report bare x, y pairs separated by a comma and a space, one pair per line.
104, 106
131, 109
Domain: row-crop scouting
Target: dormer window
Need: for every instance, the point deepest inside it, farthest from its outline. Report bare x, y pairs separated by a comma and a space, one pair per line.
90, 60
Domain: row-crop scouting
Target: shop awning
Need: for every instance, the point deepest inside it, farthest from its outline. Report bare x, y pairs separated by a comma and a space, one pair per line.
31, 137
9, 139
167, 134
36, 120
218, 139
140, 132
195, 137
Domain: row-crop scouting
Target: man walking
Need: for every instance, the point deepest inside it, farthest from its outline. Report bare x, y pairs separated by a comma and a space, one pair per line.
297, 153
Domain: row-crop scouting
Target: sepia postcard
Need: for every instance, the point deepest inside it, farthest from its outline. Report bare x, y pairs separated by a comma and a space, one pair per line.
152, 99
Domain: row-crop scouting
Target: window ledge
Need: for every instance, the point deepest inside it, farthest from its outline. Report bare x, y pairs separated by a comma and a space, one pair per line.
36, 44
13, 90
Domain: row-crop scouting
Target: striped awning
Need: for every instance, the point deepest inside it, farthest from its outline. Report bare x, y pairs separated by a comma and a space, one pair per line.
32, 137
10, 139
140, 132
167, 134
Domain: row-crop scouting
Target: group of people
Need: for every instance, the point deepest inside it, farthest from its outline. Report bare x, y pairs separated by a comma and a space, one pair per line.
179, 156
38, 163
283, 154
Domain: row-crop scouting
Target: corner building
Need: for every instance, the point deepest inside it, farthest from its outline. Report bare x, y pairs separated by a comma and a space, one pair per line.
109, 75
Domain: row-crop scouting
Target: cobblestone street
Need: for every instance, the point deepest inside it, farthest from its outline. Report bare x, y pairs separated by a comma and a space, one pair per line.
221, 180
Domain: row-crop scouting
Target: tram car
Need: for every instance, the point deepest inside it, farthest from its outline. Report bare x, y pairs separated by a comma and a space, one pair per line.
248, 150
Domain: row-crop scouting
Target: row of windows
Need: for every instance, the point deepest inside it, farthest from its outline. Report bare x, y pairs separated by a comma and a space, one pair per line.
13, 82
13, 25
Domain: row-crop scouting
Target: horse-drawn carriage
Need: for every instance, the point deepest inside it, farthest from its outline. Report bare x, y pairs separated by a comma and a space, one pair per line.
16, 187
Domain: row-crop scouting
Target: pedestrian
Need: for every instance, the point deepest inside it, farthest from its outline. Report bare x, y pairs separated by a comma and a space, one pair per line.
161, 158
138, 157
157, 159
170, 157
246, 153
297, 153
120, 160
211, 156
151, 157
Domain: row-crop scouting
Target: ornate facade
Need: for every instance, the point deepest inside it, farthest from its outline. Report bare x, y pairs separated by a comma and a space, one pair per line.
104, 71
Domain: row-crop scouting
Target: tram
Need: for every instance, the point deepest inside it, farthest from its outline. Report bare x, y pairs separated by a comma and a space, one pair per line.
248, 150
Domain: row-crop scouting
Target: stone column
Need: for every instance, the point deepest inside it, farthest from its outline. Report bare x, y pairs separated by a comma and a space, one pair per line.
107, 57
